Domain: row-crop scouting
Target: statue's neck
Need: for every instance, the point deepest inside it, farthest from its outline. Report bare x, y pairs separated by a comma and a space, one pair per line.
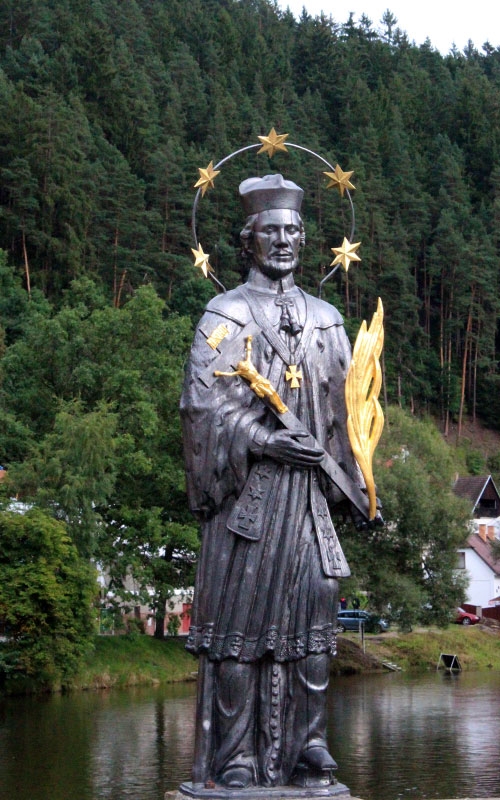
257, 280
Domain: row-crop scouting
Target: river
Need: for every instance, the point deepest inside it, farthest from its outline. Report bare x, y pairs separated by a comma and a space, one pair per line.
394, 736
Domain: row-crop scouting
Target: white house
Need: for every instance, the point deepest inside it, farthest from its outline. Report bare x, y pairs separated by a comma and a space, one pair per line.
476, 557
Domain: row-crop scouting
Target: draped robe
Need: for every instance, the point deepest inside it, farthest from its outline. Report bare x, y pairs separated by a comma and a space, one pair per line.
275, 594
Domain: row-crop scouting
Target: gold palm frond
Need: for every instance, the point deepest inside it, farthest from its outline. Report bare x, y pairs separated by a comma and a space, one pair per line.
365, 419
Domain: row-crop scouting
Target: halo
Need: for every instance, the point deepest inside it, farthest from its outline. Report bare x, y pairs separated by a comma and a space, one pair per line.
270, 144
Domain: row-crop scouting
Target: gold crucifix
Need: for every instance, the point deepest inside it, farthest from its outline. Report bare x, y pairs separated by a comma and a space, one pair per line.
258, 384
294, 376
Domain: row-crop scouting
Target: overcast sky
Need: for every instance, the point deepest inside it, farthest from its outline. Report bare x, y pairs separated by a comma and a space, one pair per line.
443, 21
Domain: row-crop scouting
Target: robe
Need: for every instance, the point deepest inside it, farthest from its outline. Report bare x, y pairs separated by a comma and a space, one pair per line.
266, 585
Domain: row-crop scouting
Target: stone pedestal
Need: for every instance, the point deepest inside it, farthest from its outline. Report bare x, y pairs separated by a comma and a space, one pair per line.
333, 790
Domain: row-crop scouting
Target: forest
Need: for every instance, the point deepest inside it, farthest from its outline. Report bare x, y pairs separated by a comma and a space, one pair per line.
109, 109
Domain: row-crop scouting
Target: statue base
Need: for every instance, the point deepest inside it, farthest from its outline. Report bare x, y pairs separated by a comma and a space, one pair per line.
199, 792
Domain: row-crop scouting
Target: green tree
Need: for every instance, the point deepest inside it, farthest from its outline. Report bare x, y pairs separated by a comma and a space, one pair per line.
104, 449
73, 470
408, 567
109, 108
46, 602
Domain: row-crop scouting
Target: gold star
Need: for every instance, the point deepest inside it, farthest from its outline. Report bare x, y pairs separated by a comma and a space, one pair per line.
201, 260
340, 179
345, 254
272, 143
206, 179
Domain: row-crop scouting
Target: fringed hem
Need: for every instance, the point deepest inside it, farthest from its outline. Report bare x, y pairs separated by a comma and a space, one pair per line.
202, 639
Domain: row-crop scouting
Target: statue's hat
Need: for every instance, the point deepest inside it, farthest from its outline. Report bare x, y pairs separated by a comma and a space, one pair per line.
271, 191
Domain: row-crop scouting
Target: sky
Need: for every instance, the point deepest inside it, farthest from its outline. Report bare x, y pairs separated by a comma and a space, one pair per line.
444, 22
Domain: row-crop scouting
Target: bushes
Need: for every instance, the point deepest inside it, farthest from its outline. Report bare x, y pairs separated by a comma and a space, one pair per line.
46, 602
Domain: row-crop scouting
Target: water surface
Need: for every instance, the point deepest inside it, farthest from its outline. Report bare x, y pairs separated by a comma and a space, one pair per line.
393, 736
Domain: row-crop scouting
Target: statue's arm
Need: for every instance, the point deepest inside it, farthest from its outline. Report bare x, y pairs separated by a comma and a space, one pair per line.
221, 428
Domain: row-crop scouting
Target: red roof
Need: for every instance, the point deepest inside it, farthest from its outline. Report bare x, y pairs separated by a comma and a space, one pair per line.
483, 550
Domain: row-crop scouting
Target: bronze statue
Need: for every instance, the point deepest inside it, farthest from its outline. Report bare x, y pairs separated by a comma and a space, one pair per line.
266, 596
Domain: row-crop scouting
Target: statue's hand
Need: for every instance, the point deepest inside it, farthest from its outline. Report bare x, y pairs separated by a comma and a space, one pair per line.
286, 448
363, 524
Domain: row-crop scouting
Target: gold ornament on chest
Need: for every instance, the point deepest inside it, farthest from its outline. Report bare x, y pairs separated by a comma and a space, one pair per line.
294, 376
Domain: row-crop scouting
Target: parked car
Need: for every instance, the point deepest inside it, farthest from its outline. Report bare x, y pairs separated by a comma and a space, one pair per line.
351, 620
465, 618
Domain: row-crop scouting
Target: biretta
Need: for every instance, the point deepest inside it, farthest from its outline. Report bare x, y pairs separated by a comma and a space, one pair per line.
270, 191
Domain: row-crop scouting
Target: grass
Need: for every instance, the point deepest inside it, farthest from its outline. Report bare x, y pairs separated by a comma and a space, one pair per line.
477, 647
133, 659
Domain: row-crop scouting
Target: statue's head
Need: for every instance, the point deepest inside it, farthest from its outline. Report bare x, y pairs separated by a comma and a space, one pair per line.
274, 230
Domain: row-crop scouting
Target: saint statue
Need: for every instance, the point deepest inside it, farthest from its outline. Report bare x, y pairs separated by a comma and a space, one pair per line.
266, 594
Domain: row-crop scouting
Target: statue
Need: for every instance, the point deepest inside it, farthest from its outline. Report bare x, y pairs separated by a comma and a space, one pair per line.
266, 595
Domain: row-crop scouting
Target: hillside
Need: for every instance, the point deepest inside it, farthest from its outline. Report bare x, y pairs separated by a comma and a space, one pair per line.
110, 111
480, 443
110, 108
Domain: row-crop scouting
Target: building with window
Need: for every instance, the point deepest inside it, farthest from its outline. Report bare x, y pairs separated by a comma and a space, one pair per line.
477, 557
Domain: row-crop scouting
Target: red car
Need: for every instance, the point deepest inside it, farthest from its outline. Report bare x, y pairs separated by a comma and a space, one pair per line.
464, 618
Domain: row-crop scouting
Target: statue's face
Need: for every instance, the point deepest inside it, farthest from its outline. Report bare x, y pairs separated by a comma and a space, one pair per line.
276, 241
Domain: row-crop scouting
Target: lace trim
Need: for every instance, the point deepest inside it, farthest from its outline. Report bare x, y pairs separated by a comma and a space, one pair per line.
284, 648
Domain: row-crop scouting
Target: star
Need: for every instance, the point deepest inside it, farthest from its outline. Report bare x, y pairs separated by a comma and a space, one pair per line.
272, 143
263, 471
255, 492
345, 254
340, 179
206, 179
201, 260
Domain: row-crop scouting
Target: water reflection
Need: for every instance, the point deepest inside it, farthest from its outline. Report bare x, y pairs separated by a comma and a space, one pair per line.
145, 747
393, 736
436, 736
93, 746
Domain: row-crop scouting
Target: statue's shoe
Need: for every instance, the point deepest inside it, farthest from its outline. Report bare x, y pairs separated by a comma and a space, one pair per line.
315, 768
237, 777
319, 758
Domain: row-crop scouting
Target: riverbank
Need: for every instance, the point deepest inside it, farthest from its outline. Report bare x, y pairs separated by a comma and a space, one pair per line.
133, 660
477, 647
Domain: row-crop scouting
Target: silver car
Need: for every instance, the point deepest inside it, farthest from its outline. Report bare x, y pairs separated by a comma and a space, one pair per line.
352, 620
